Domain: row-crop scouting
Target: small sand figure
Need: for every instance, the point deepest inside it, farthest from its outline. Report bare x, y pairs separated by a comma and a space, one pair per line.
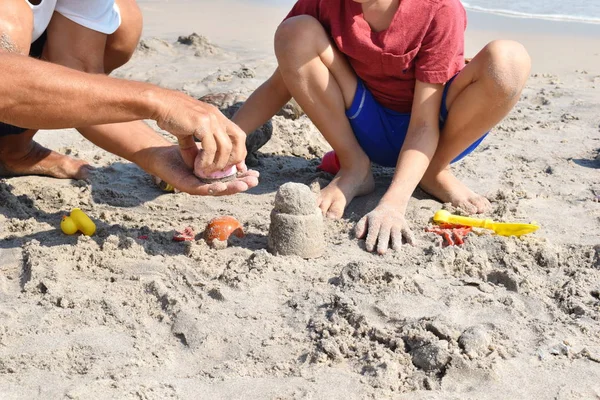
296, 223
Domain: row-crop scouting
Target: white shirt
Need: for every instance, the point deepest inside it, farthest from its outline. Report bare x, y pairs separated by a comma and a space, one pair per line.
99, 15
42, 14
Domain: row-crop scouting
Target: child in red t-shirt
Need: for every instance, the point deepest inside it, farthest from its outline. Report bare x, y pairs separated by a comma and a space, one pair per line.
385, 82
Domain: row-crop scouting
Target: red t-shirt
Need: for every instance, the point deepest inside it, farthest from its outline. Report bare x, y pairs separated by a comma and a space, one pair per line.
425, 41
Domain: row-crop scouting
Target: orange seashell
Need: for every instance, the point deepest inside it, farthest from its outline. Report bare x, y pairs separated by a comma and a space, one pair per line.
221, 228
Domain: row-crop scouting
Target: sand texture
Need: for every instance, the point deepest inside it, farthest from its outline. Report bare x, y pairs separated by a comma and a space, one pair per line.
130, 314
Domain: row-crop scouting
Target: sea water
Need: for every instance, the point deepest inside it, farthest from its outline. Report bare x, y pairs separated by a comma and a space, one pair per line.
565, 10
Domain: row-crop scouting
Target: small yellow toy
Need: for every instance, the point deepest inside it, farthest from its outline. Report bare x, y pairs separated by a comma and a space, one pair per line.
501, 228
78, 221
164, 186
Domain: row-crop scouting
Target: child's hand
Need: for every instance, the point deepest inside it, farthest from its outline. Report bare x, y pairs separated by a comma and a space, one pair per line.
168, 165
385, 222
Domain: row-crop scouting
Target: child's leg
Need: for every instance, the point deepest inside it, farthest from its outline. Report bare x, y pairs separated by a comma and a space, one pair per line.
323, 83
481, 95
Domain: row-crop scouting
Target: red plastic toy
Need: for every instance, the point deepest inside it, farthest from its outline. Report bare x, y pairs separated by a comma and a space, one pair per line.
454, 235
187, 235
330, 163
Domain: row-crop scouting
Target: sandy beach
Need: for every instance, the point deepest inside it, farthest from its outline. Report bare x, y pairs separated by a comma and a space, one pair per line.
130, 314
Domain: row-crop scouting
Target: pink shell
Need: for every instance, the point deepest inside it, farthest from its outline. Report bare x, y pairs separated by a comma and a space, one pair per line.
217, 175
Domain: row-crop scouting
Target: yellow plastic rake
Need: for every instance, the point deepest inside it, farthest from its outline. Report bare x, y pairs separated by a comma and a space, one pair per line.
501, 228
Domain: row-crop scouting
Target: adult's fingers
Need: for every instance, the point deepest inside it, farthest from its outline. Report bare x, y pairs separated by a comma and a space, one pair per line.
206, 157
238, 141
188, 149
225, 189
249, 172
224, 146
242, 167
241, 184
251, 180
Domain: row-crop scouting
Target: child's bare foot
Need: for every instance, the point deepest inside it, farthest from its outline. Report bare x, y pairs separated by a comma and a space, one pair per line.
447, 188
23, 156
346, 185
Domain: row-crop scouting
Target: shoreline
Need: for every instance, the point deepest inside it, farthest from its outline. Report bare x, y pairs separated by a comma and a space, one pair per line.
541, 17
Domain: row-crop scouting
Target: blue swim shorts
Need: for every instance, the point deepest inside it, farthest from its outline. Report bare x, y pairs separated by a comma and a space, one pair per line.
381, 131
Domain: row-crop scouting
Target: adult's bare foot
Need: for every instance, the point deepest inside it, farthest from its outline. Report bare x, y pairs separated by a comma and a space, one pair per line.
347, 184
20, 155
447, 188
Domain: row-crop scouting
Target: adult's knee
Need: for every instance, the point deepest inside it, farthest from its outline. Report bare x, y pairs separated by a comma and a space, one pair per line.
298, 34
74, 46
16, 26
122, 44
508, 67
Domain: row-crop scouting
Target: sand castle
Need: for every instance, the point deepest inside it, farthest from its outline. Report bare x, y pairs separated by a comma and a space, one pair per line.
296, 223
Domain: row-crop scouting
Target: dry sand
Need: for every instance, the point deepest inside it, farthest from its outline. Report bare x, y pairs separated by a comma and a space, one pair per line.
130, 314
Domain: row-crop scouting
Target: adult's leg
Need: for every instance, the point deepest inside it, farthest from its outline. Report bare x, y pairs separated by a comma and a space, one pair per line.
81, 48
121, 45
482, 94
320, 79
19, 154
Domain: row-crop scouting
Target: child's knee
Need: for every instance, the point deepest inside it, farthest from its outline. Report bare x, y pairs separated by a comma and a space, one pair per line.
297, 33
508, 67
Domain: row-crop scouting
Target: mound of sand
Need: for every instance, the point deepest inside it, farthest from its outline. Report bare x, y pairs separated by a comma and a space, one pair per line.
200, 44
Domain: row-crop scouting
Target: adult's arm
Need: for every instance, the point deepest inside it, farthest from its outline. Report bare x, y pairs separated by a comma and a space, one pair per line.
65, 98
40, 95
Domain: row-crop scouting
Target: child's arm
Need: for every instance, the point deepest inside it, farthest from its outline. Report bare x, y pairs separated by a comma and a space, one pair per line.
419, 146
387, 220
265, 102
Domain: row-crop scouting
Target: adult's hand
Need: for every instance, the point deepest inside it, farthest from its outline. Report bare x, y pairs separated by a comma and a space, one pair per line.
223, 142
167, 163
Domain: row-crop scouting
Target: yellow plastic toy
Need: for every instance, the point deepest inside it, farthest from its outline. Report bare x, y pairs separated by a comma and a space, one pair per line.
501, 228
78, 221
164, 186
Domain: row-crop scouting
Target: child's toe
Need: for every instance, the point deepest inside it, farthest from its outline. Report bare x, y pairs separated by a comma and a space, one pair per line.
336, 210
481, 204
